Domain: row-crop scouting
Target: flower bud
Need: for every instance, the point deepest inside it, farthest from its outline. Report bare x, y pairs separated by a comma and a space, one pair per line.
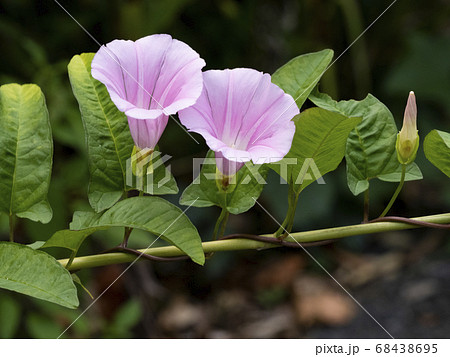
408, 139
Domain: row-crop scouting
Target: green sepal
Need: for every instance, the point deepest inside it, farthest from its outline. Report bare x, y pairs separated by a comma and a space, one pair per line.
409, 158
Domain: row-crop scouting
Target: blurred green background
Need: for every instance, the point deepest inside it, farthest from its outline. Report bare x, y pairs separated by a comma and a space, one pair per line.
408, 48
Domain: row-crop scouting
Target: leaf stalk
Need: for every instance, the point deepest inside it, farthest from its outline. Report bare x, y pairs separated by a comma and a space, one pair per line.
396, 193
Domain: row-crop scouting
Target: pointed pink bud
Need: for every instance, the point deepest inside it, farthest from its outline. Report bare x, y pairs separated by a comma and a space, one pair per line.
408, 139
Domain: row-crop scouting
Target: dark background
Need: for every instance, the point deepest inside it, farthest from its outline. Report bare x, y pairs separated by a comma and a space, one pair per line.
402, 278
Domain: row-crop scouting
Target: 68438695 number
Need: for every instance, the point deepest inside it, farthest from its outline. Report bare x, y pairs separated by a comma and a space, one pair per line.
402, 348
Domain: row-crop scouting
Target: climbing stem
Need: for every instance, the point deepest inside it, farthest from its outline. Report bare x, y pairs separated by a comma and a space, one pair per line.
397, 191
243, 244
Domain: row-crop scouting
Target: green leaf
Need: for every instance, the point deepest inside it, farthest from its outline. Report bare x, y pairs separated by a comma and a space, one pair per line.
37, 274
203, 192
299, 76
152, 214
318, 146
437, 150
9, 316
26, 150
370, 150
412, 172
68, 239
108, 137
36, 245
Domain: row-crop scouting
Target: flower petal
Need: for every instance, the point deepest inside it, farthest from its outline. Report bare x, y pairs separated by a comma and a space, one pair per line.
243, 115
146, 133
180, 82
149, 79
115, 66
225, 166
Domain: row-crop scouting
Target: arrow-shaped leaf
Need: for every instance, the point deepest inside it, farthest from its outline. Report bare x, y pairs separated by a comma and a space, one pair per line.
299, 76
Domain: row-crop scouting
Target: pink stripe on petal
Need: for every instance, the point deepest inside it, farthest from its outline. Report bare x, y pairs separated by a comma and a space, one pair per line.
146, 133
225, 166
243, 116
148, 80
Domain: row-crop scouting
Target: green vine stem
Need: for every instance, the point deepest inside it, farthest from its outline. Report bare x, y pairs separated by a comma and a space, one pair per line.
397, 191
92, 261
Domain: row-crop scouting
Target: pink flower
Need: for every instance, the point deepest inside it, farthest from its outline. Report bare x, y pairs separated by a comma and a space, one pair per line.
148, 80
243, 116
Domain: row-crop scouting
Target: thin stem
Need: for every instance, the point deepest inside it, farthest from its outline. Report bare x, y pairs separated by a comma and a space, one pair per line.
11, 228
366, 206
292, 215
281, 230
397, 191
224, 224
288, 222
244, 244
69, 262
411, 221
126, 236
141, 254
128, 230
218, 228
274, 240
